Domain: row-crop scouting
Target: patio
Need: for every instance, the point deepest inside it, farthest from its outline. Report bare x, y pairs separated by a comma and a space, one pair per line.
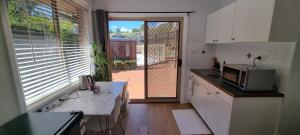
135, 80
157, 86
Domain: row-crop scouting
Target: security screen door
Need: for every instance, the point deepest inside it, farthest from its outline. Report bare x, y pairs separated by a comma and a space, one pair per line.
163, 59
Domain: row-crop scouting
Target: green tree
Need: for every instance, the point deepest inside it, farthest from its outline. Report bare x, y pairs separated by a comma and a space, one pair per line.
142, 28
135, 30
118, 30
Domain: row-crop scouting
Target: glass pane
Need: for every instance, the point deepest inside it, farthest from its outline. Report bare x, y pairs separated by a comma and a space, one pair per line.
127, 54
162, 55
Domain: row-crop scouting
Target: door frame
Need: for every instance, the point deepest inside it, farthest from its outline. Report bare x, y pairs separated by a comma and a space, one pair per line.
179, 57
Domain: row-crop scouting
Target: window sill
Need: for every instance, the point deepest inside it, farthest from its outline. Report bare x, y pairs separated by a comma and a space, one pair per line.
44, 101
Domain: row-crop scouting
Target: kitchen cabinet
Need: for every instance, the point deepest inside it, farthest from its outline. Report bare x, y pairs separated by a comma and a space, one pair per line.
220, 25
218, 115
201, 94
254, 21
212, 27
229, 115
226, 21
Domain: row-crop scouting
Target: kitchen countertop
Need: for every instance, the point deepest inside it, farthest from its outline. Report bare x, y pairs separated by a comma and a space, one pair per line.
229, 89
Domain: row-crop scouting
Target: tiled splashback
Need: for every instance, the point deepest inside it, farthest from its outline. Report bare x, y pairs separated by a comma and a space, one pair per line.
275, 56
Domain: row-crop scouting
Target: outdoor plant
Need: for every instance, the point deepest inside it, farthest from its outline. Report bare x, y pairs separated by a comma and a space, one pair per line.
118, 64
124, 64
101, 64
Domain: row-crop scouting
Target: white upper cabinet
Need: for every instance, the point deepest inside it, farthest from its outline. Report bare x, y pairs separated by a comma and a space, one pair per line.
212, 27
253, 19
226, 21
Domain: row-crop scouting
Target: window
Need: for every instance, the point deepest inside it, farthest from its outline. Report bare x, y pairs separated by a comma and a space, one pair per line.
50, 45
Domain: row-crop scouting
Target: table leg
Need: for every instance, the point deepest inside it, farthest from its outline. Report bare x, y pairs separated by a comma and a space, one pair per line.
100, 124
107, 124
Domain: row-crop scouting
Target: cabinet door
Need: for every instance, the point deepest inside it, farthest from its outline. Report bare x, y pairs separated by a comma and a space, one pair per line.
225, 28
253, 20
200, 99
212, 27
190, 86
217, 115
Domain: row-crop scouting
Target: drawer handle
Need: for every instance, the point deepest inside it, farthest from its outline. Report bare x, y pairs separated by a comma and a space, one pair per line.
208, 93
217, 92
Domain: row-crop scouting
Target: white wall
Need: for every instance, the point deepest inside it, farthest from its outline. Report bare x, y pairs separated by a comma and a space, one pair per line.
8, 99
277, 56
226, 2
196, 26
290, 119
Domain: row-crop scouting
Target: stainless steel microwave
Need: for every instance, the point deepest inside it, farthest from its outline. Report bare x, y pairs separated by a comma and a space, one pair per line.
246, 78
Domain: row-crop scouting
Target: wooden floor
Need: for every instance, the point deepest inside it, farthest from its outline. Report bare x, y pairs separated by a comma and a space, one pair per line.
151, 119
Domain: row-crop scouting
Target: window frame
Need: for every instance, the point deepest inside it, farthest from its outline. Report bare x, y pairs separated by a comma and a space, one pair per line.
23, 107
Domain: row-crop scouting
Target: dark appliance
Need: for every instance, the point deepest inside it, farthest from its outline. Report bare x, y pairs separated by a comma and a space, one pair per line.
248, 78
44, 123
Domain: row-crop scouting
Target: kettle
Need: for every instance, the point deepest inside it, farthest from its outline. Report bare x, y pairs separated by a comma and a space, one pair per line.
86, 82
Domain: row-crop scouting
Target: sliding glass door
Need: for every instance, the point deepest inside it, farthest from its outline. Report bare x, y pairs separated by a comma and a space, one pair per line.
162, 59
146, 52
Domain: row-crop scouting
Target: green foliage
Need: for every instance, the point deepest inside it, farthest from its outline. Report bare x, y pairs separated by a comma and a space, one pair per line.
124, 64
100, 61
118, 30
23, 17
135, 30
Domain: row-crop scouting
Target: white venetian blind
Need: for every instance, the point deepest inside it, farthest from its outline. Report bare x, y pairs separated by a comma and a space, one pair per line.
50, 45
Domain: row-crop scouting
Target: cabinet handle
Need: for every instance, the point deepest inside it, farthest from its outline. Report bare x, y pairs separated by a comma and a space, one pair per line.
232, 39
208, 93
214, 40
217, 92
217, 40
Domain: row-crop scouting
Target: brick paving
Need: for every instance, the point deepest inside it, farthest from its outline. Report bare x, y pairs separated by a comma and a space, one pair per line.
135, 82
161, 80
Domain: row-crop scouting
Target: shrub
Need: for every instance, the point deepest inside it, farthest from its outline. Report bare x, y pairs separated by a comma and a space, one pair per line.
124, 65
118, 65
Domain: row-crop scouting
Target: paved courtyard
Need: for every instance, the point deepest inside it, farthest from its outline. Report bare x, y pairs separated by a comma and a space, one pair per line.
161, 80
135, 82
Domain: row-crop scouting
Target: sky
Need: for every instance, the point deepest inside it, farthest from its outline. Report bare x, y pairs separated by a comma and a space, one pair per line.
124, 26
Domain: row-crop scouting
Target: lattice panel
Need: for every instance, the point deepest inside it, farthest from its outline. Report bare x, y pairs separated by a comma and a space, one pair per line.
162, 55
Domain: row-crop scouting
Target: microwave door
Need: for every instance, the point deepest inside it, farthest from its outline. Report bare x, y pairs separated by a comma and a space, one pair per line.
243, 80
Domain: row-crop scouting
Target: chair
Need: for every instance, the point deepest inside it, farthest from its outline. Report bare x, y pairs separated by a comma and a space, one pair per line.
125, 99
98, 124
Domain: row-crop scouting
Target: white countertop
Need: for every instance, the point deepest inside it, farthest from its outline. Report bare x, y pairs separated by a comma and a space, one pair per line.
93, 104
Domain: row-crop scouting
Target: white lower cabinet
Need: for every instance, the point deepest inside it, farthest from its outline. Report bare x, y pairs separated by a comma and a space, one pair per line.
217, 115
228, 115
200, 99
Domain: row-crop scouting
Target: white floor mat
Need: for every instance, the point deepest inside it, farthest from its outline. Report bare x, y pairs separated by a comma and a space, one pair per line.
189, 123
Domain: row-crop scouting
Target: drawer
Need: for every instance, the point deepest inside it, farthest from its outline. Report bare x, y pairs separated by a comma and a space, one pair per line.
201, 80
222, 95
204, 82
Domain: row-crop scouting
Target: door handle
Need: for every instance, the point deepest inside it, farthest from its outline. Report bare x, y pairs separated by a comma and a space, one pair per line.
179, 62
